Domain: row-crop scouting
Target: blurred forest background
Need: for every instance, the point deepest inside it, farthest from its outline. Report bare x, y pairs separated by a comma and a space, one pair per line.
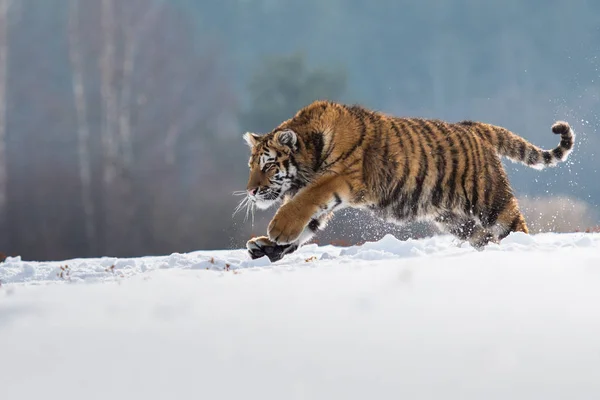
121, 121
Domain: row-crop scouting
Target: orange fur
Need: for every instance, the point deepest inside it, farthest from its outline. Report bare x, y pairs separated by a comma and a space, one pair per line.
332, 155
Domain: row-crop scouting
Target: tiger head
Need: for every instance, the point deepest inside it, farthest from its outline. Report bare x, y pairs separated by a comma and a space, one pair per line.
273, 170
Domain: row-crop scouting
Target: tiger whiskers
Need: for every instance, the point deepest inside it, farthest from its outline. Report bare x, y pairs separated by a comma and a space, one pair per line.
250, 211
243, 203
248, 204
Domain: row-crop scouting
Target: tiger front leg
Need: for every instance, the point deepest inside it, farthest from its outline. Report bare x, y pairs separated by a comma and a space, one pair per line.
262, 246
320, 198
288, 223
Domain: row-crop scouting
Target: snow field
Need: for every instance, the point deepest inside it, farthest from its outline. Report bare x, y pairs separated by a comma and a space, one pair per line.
422, 319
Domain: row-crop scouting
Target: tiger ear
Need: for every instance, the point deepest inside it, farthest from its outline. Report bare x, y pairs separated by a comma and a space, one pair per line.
287, 138
251, 138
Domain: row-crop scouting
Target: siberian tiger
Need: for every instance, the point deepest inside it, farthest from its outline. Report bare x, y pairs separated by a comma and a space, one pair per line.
330, 156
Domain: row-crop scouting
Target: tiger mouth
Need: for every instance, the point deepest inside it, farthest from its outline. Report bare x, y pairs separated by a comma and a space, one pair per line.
263, 204
266, 200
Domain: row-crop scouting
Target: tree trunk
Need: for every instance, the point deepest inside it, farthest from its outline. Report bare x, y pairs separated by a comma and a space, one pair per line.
125, 101
131, 38
83, 131
132, 33
110, 204
3, 95
109, 100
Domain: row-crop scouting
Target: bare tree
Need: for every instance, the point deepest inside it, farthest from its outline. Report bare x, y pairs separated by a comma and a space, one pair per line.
142, 133
112, 225
109, 99
4, 5
83, 130
135, 28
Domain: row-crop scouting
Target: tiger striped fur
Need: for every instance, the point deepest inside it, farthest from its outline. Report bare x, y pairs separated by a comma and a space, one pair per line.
330, 156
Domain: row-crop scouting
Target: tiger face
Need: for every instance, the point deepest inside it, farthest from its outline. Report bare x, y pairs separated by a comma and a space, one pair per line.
272, 169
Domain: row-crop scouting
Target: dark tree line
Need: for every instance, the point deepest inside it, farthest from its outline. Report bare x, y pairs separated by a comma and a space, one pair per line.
120, 132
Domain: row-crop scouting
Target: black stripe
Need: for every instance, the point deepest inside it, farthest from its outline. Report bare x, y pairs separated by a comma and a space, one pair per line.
314, 225
452, 180
453, 166
465, 154
400, 144
391, 169
438, 191
469, 153
292, 160
396, 131
423, 165
547, 157
489, 186
300, 180
558, 153
475, 195
436, 194
317, 143
499, 204
501, 140
428, 134
488, 208
389, 165
338, 200
408, 135
533, 157
353, 163
329, 150
477, 165
330, 146
566, 142
360, 140
387, 200
522, 149
386, 150
368, 167
514, 223
426, 124
396, 193
375, 168
350, 186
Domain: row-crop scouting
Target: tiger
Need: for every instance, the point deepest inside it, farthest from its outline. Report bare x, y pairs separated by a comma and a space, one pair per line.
331, 155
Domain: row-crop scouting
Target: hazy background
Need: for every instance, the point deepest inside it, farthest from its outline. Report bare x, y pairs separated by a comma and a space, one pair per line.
121, 120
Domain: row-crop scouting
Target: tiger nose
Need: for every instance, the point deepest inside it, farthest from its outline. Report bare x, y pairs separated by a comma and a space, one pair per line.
252, 191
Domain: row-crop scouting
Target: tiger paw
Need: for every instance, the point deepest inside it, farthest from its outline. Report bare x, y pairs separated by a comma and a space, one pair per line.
261, 246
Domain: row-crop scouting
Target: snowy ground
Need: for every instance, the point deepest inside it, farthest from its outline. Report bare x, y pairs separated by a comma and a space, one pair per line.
419, 319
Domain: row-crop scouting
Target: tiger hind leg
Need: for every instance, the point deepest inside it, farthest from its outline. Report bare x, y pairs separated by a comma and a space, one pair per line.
461, 227
510, 220
465, 228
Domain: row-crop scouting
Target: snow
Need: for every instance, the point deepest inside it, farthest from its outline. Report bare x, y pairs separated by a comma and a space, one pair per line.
417, 319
